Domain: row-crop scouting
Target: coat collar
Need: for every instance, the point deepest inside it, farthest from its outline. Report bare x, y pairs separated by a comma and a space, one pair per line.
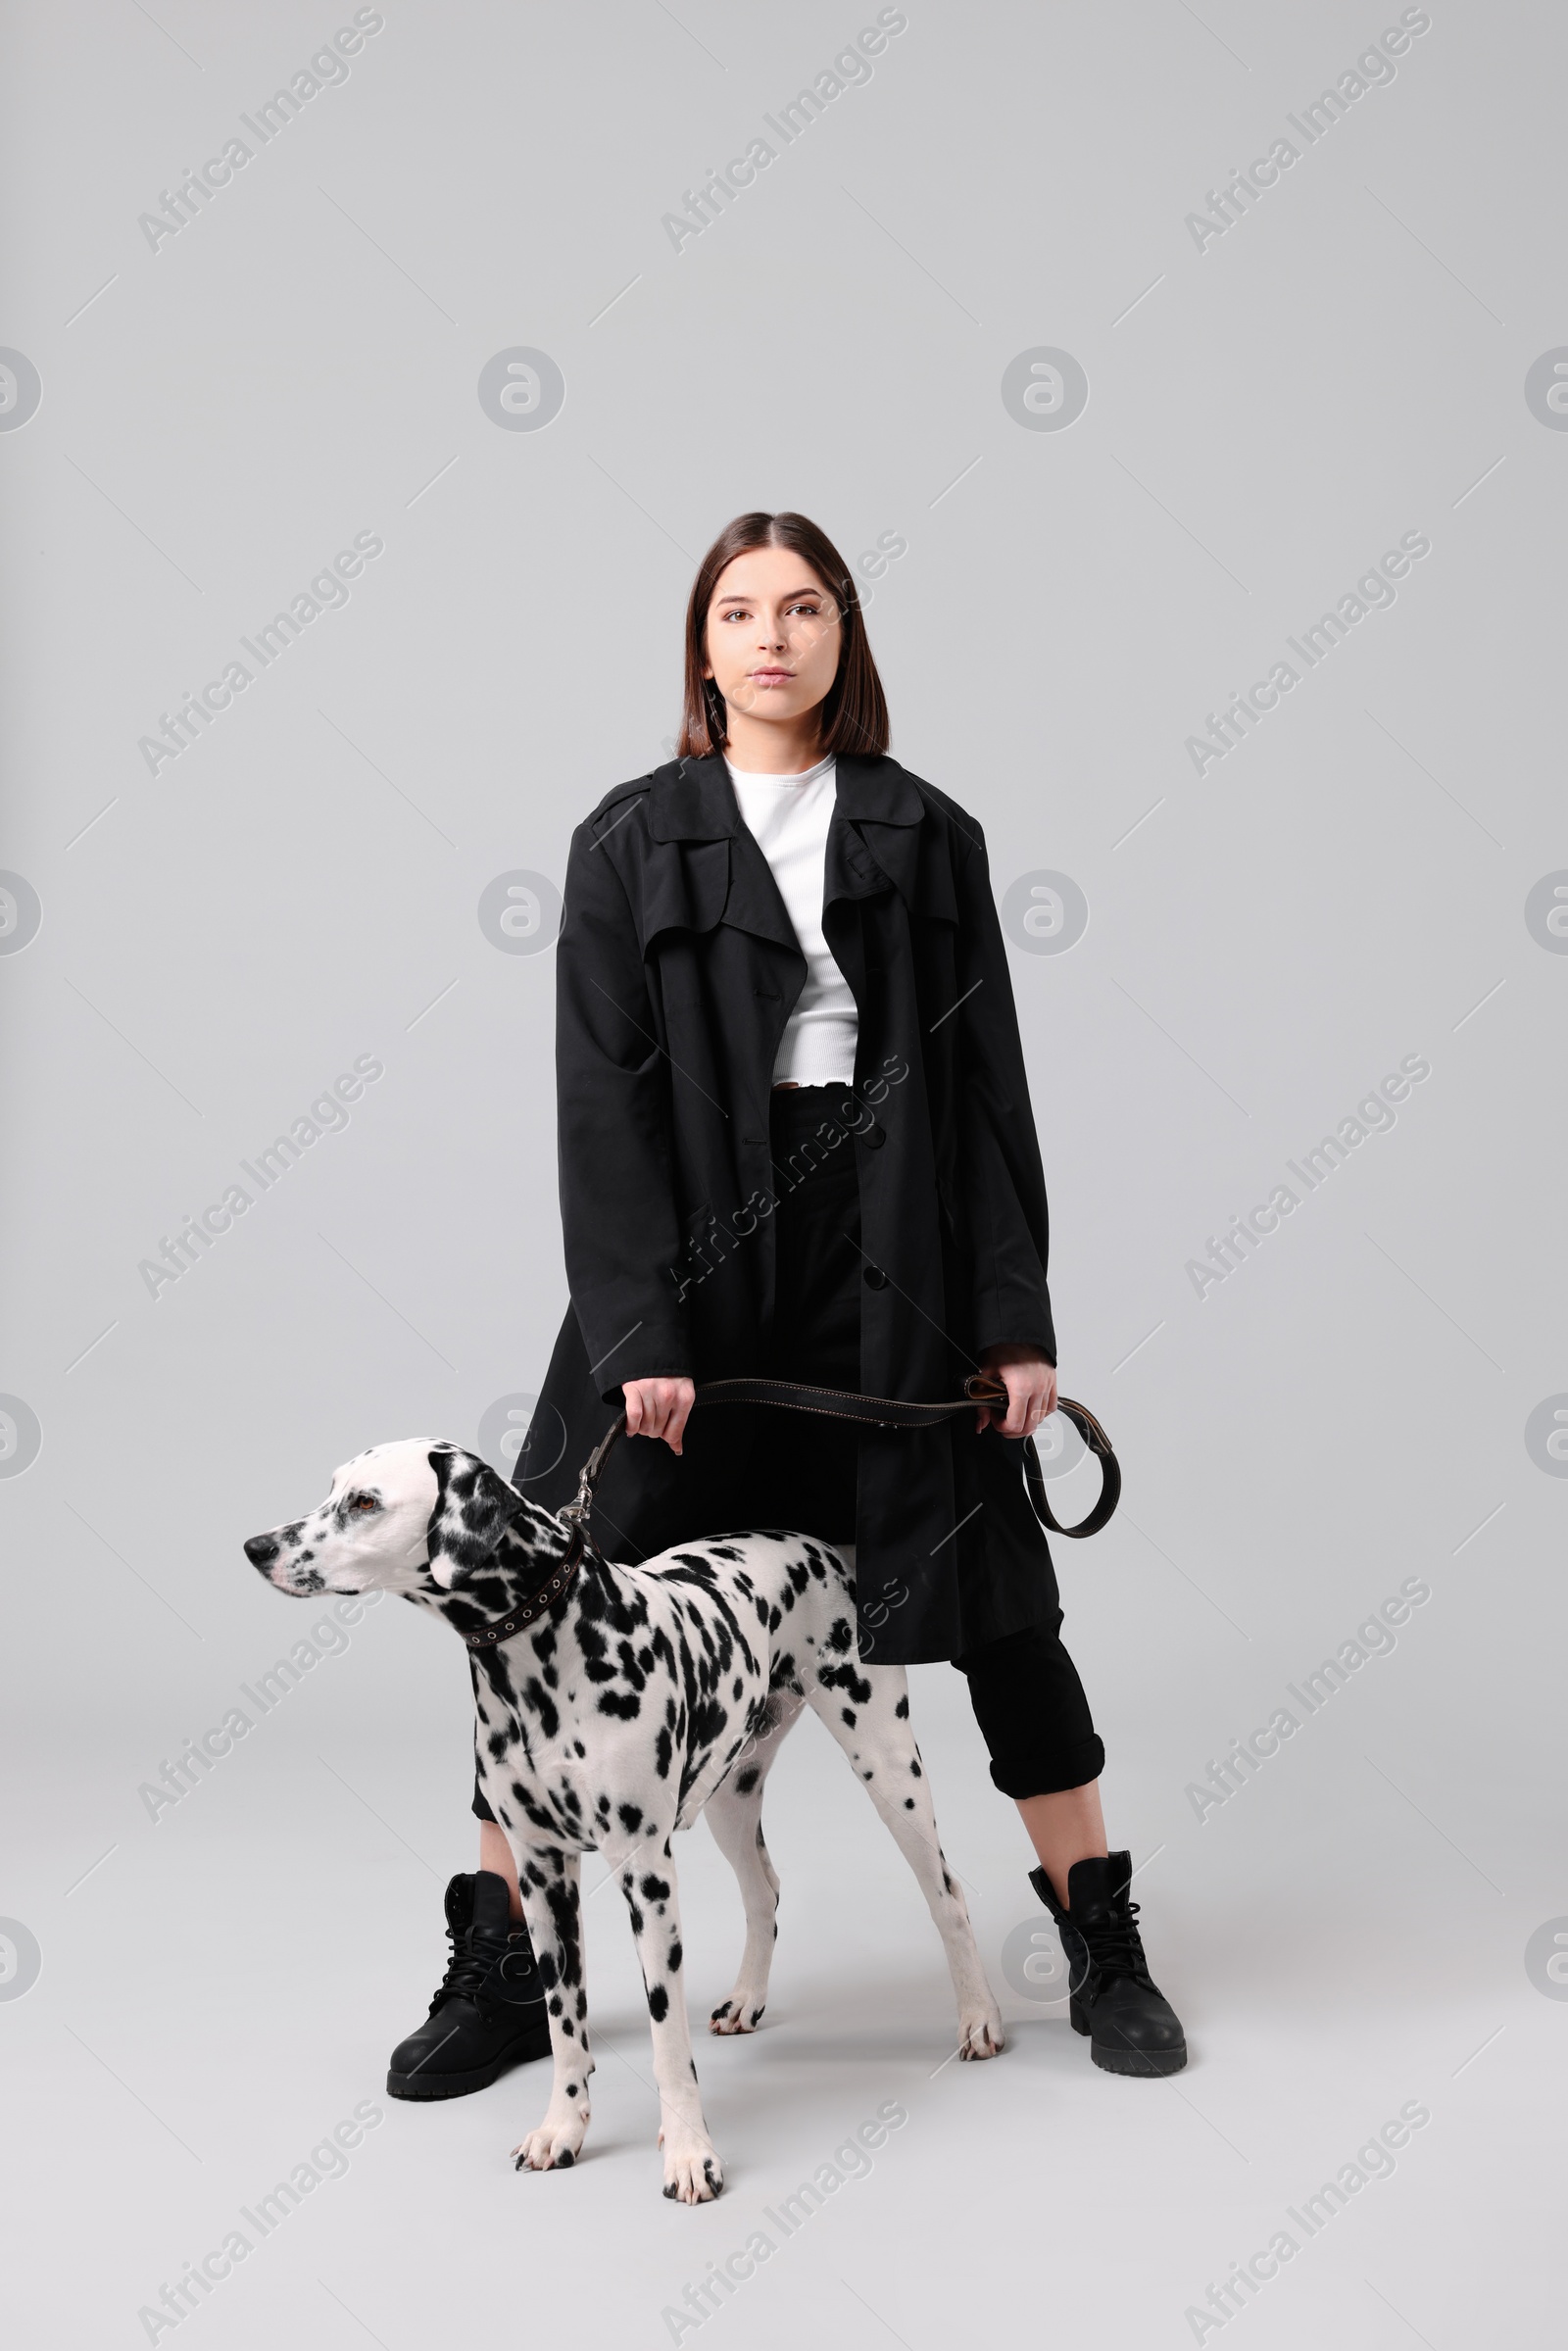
874, 842
693, 800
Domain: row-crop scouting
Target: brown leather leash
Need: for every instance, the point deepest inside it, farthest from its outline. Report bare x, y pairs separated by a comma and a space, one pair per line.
827, 1403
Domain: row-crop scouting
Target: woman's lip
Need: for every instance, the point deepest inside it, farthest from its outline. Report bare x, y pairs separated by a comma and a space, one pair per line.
766, 673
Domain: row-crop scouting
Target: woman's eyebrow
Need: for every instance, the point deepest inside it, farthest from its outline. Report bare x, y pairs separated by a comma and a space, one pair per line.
738, 596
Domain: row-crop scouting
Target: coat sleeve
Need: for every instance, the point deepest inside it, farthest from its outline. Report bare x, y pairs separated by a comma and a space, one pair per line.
1002, 1180
613, 1093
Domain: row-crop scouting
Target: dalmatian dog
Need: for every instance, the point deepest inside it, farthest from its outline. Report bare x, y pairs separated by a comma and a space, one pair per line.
641, 1698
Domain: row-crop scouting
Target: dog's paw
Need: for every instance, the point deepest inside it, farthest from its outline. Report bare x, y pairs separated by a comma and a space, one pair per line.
981, 2035
692, 2173
553, 2147
737, 2014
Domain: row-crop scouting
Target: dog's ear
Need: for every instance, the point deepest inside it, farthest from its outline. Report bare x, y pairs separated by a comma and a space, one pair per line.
474, 1506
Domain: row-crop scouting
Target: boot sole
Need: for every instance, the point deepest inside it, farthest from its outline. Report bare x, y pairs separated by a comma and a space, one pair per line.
535, 2042
1147, 2062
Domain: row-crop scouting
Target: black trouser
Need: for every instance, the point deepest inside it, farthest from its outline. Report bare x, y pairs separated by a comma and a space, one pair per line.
1024, 1688
801, 1473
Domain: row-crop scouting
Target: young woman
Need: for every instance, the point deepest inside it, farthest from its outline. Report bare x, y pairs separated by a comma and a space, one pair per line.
794, 1139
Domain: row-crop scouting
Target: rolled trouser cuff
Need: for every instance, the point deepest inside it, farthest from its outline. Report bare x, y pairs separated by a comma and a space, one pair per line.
1033, 1772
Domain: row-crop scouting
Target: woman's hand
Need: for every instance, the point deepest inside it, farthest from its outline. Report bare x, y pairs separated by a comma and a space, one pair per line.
1031, 1384
659, 1408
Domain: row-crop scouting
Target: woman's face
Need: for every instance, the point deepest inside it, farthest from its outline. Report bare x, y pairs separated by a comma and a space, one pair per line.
773, 635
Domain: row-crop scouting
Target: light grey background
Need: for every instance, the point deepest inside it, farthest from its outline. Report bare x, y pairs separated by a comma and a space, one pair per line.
300, 886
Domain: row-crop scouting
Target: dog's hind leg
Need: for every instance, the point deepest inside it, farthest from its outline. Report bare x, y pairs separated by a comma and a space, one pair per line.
549, 1880
866, 1707
734, 1813
692, 2173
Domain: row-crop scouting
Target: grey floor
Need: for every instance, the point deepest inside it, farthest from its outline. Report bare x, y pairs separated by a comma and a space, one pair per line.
222, 1991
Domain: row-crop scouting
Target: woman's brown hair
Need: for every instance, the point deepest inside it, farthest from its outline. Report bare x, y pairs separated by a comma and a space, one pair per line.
854, 710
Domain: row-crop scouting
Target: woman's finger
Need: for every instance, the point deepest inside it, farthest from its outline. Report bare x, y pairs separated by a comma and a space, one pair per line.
683, 1396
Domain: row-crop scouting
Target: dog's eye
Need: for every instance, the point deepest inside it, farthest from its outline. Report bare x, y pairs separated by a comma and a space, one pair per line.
365, 1501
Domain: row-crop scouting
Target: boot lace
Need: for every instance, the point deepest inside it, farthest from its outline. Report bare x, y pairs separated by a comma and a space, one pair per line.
466, 1969
1115, 1946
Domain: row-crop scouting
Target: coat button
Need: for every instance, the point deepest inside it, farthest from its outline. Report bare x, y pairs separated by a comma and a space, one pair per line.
875, 1278
874, 1138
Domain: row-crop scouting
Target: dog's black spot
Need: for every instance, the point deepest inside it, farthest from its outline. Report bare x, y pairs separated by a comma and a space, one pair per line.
664, 1753
631, 1818
902, 1709
675, 1956
722, 2010
844, 1676
841, 1634
659, 2003
848, 1713
654, 1888
909, 1803
543, 1704
747, 1780
916, 1767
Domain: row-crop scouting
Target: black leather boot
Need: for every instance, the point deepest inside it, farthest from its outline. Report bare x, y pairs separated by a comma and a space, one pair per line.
1132, 2027
488, 2013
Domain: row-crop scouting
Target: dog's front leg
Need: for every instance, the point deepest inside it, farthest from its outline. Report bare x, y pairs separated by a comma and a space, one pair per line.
548, 1880
692, 2173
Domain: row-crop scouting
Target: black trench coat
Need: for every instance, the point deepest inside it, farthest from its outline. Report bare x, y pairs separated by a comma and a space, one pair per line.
677, 970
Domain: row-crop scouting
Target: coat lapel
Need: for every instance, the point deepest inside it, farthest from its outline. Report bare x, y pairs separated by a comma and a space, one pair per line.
879, 837
705, 869
694, 803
